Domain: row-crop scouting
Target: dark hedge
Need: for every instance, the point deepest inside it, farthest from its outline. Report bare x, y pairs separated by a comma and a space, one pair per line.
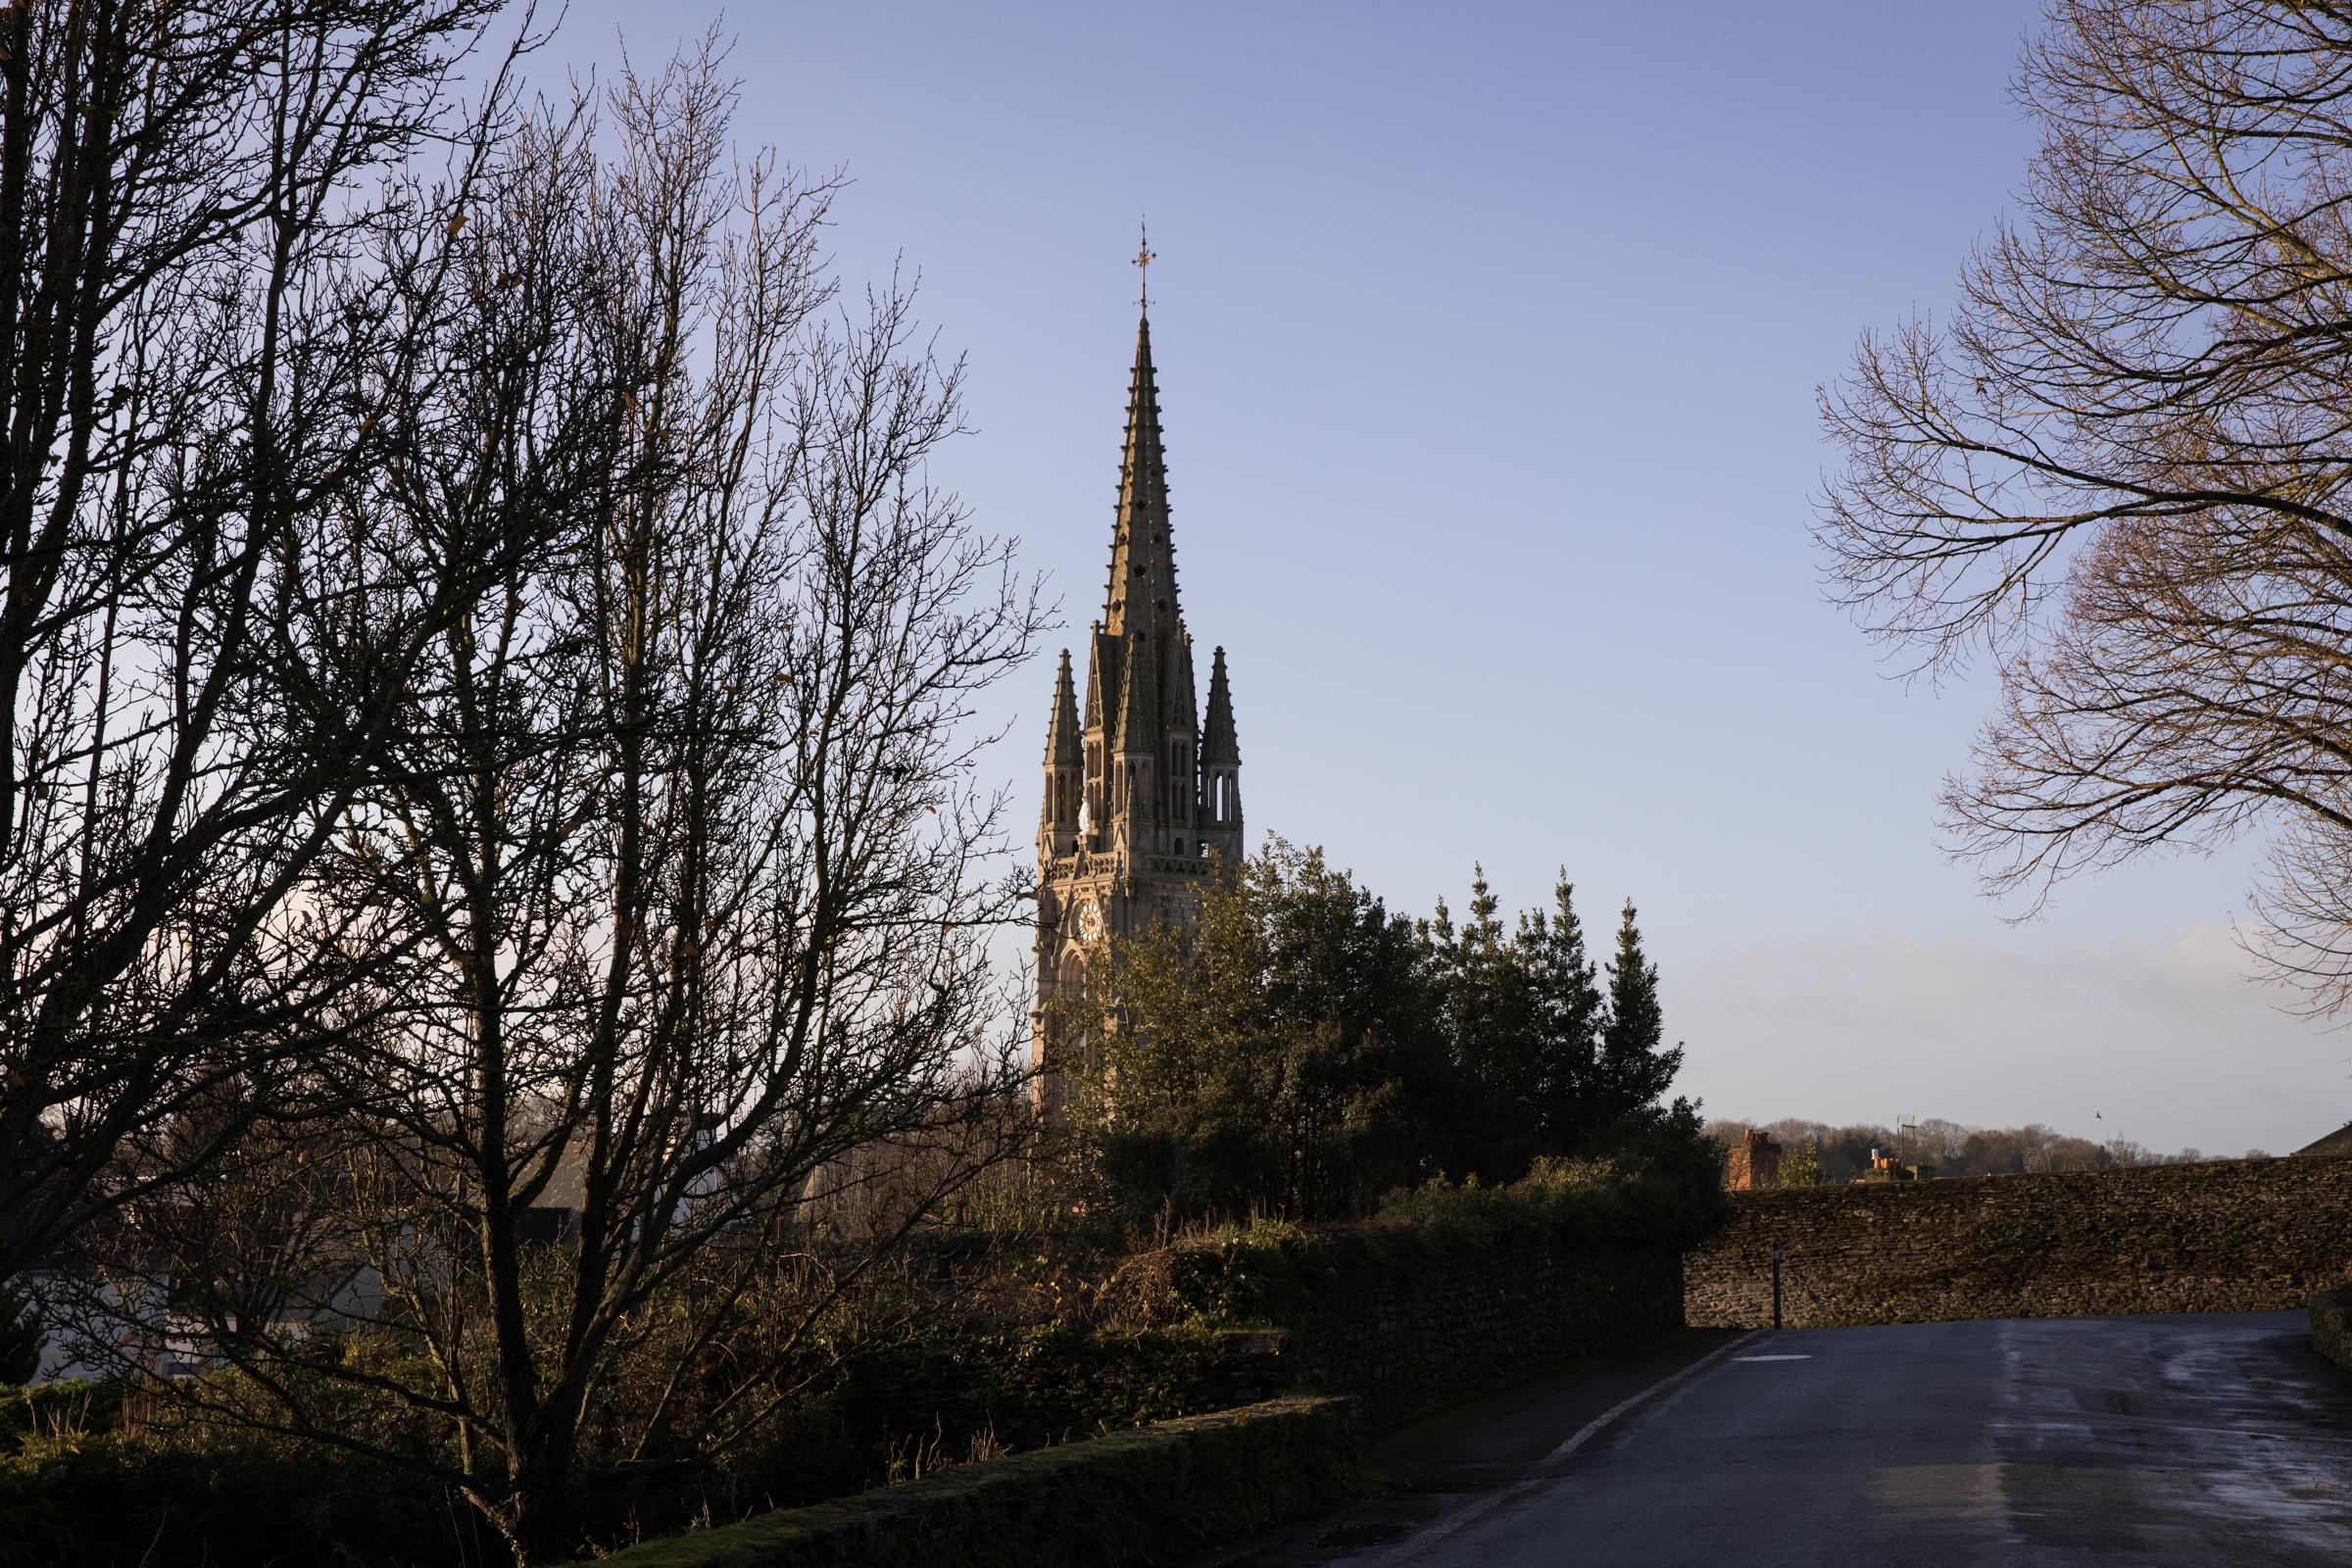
1138, 1496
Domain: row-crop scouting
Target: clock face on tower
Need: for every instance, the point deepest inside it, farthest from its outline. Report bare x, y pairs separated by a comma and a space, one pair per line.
1090, 921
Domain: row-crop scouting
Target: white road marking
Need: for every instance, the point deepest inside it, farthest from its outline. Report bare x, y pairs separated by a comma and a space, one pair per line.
1437, 1530
1806, 1357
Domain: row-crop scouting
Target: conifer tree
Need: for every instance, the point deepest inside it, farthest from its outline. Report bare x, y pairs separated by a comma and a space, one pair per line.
1491, 1016
1635, 1064
1570, 1013
1280, 1059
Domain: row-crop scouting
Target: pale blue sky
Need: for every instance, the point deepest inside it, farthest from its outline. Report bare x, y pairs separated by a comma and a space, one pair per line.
1488, 338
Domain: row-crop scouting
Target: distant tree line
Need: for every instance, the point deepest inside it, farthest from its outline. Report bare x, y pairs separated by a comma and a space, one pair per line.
1817, 1151
1306, 1050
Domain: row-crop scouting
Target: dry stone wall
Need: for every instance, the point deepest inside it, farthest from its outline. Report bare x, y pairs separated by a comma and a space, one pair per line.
2239, 1235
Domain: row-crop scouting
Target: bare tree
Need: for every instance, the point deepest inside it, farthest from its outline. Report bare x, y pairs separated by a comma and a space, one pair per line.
677, 837
2118, 467
208, 247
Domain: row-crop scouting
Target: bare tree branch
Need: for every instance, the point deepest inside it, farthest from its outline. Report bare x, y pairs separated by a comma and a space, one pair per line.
2120, 466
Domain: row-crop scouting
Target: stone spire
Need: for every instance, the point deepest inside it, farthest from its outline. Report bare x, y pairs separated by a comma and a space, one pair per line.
1142, 592
1065, 771
1219, 743
1096, 716
1138, 728
1219, 829
1062, 745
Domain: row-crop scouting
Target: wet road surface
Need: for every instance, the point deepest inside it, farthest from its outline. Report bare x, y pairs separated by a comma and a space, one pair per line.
2211, 1438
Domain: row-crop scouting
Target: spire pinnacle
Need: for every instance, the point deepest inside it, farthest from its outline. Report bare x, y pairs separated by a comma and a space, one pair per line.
1219, 743
1142, 592
1062, 746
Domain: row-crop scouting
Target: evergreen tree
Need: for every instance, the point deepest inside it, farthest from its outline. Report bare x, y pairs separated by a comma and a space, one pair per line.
1281, 1059
1570, 1013
1636, 1065
1488, 1010
1304, 1049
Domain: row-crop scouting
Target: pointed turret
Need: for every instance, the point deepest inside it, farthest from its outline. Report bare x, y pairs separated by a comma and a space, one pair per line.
1105, 659
1142, 593
1182, 750
1220, 769
1062, 743
1219, 745
1137, 733
1065, 771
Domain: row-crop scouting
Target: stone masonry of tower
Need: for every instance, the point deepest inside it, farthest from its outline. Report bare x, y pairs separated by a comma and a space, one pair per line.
1143, 792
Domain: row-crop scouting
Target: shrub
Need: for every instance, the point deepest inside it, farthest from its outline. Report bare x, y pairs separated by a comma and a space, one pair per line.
1593, 1200
1136, 1497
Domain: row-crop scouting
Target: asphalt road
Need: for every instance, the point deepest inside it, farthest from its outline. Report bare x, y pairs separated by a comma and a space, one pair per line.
2218, 1439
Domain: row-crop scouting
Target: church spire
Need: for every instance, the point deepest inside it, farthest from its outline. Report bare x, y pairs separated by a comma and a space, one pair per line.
1141, 594
1142, 801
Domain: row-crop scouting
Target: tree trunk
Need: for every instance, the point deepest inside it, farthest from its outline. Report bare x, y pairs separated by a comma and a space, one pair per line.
538, 1524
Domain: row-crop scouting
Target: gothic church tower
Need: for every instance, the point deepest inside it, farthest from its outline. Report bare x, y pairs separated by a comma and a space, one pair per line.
1143, 795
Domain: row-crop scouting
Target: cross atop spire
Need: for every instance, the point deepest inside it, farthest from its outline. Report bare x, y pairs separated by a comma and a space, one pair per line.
1145, 256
